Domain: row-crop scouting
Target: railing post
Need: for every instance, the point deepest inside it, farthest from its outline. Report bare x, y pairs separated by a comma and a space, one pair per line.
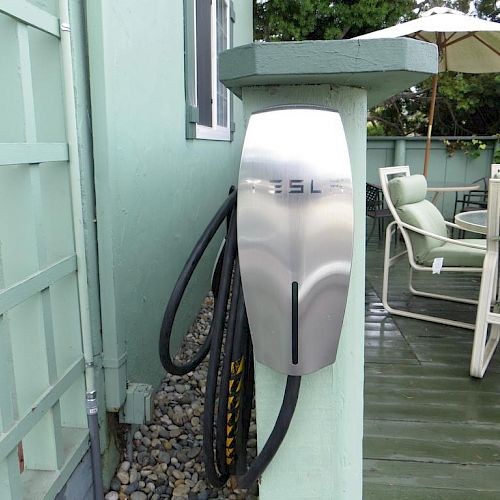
399, 152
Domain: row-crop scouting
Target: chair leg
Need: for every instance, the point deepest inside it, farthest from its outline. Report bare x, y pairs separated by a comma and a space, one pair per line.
372, 229
482, 346
454, 213
430, 295
388, 263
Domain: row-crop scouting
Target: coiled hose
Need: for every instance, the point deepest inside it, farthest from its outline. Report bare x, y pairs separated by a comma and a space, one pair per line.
225, 432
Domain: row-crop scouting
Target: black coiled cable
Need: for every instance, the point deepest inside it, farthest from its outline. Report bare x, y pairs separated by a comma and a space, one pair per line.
224, 444
175, 298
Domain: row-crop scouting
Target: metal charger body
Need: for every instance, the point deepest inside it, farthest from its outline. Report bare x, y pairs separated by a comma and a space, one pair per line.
295, 235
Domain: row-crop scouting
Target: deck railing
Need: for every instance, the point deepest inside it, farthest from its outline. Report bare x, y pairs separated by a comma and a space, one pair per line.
444, 166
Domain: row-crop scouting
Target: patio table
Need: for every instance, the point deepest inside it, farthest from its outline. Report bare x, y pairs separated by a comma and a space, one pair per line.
474, 221
439, 188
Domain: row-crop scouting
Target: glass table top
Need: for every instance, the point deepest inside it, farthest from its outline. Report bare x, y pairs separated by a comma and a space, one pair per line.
472, 221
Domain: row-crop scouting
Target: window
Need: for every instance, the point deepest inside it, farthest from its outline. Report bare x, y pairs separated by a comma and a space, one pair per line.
208, 100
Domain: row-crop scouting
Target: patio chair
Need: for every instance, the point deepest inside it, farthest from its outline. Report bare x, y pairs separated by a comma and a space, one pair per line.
488, 313
473, 200
425, 235
478, 199
375, 208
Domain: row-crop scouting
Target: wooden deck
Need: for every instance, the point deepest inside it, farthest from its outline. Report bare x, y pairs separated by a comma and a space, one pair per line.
431, 431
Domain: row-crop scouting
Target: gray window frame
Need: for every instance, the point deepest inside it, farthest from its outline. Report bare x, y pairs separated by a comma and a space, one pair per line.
196, 117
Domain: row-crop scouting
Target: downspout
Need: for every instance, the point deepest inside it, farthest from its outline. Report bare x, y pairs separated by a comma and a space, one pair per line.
77, 209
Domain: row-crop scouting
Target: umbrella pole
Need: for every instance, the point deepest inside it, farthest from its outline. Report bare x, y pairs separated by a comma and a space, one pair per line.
431, 121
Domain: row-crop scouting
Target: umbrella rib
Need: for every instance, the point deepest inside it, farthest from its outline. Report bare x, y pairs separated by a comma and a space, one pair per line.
467, 35
447, 40
472, 34
486, 44
418, 34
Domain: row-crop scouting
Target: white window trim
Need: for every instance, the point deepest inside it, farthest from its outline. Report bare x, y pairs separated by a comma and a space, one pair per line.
214, 133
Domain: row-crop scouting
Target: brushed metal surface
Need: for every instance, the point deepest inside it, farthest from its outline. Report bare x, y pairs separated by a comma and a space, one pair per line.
295, 224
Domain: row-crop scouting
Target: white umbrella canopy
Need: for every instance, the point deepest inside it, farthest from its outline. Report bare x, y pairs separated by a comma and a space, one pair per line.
466, 45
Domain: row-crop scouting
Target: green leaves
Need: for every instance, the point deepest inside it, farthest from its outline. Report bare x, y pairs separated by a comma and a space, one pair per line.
466, 104
472, 148
284, 20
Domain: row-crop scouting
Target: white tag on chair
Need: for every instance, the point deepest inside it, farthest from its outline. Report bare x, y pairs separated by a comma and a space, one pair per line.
437, 265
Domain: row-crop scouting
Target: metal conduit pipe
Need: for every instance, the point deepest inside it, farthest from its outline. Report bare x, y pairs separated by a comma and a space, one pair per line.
77, 210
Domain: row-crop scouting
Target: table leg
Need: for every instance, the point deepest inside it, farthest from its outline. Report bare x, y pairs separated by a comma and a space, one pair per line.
435, 198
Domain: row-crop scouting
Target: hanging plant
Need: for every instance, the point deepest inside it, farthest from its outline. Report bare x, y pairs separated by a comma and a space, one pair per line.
496, 154
472, 148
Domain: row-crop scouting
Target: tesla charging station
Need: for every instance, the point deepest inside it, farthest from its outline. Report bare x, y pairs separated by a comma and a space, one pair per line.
295, 230
321, 456
293, 260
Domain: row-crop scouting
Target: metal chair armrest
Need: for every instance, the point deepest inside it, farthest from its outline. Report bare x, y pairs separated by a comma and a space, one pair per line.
440, 238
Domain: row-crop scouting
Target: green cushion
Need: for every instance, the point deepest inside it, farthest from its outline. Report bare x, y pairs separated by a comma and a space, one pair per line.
458, 256
407, 189
426, 216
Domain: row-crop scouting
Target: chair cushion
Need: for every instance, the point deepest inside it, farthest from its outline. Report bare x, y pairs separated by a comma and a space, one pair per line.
426, 216
458, 256
407, 189
408, 196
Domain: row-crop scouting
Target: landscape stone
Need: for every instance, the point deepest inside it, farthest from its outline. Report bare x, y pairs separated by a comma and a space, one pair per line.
138, 495
167, 452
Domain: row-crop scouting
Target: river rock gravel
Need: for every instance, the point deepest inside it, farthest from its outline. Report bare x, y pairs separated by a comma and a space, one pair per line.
166, 459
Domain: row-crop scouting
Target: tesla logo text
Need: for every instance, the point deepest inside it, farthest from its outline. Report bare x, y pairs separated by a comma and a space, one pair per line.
301, 186
295, 186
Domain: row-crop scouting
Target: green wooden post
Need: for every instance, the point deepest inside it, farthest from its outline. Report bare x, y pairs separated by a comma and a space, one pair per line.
400, 152
321, 456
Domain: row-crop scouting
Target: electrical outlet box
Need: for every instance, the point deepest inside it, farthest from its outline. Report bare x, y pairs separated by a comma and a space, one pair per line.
138, 407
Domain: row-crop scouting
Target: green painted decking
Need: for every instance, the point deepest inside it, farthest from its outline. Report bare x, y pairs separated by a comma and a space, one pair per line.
430, 431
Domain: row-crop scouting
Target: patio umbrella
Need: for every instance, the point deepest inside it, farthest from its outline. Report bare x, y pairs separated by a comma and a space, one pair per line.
466, 44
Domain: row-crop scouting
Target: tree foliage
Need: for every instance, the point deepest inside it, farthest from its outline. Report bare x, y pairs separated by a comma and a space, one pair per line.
466, 104
285, 20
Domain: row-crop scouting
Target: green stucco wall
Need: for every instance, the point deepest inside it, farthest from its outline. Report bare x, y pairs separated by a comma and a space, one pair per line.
155, 189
